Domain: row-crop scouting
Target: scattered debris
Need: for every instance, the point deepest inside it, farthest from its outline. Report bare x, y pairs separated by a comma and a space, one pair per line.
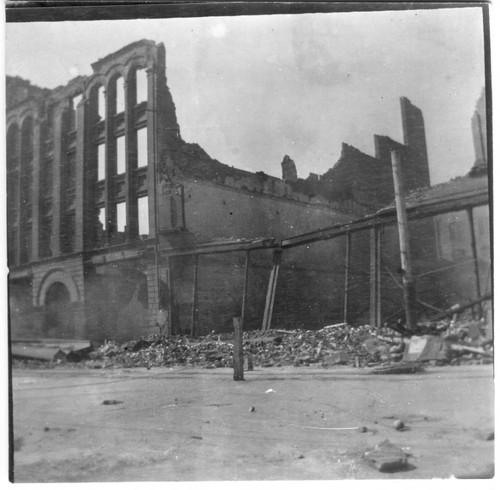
112, 402
448, 341
55, 350
386, 457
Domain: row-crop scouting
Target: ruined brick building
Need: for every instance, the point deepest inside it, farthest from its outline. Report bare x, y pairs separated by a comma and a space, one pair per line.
103, 193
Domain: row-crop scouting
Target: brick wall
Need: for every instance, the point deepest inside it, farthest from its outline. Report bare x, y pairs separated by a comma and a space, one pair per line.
213, 211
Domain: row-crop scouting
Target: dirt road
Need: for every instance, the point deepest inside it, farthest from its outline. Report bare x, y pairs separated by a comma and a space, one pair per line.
190, 424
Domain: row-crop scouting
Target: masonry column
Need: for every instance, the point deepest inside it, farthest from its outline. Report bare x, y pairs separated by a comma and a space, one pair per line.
80, 174
56, 198
109, 141
152, 154
130, 161
35, 217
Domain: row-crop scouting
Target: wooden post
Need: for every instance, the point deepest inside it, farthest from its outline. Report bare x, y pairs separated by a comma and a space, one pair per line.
375, 303
271, 290
474, 254
404, 243
194, 311
245, 289
170, 298
346, 276
238, 350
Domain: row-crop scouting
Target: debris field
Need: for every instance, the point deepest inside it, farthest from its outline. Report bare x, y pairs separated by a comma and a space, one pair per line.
445, 342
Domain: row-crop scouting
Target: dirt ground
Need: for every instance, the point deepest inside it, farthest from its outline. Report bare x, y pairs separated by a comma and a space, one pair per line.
190, 424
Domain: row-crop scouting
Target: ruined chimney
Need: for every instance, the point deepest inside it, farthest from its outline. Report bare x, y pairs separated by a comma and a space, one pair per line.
289, 169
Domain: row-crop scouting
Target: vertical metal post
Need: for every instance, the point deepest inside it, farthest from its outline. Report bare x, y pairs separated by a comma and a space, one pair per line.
245, 288
404, 242
346, 275
194, 311
470, 215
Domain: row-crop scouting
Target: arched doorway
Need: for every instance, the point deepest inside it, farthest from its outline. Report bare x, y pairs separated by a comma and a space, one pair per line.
58, 321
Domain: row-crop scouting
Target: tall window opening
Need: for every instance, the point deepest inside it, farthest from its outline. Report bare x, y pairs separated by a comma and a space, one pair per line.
74, 105
120, 155
141, 80
143, 212
120, 95
142, 147
101, 103
101, 161
121, 217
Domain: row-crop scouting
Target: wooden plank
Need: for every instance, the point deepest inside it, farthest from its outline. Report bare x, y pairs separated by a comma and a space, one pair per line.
387, 217
194, 310
404, 242
470, 304
473, 245
375, 277
271, 291
346, 276
245, 289
238, 350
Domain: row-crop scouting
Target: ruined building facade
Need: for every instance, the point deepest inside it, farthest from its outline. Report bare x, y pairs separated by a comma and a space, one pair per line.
102, 188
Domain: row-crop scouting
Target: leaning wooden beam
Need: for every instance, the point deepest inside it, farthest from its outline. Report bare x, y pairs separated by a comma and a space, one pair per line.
387, 216
473, 245
271, 290
470, 304
404, 242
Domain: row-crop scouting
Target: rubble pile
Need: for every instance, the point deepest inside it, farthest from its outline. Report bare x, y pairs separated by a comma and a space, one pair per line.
336, 344
443, 342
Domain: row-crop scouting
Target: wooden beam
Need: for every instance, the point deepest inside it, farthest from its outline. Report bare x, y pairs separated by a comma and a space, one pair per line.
346, 275
389, 216
245, 289
473, 245
194, 311
238, 350
271, 290
375, 314
470, 304
404, 242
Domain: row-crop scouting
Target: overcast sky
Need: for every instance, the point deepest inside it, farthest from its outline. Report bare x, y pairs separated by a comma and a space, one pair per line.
251, 89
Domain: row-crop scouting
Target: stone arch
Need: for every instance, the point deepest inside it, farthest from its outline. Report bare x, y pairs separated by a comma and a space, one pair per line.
57, 276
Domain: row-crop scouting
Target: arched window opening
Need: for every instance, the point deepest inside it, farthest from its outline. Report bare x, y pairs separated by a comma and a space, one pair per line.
73, 108
120, 95
101, 103
141, 81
